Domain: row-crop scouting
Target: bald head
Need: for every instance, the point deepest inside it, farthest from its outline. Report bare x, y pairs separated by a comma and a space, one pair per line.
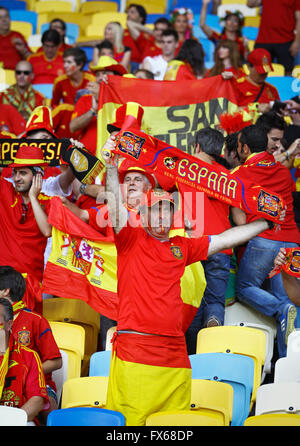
24, 74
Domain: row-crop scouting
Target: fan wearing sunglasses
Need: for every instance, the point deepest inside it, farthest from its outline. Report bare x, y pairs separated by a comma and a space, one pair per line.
22, 95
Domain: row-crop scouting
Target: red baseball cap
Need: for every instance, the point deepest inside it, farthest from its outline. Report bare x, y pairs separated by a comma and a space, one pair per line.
261, 60
154, 196
127, 167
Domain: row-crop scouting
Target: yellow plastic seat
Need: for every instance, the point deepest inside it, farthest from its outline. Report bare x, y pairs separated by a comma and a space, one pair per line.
152, 7
212, 395
7, 76
102, 18
24, 28
185, 418
235, 339
296, 71
52, 5
75, 311
87, 391
252, 21
70, 338
251, 44
276, 419
278, 70
97, 6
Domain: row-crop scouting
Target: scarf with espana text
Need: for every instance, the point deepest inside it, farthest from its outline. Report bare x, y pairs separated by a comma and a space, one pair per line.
85, 166
172, 166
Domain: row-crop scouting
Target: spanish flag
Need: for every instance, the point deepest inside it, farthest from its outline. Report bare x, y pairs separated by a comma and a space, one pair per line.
83, 265
173, 111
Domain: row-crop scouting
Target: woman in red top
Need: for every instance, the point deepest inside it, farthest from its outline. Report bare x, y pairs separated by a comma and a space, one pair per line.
227, 59
233, 23
182, 20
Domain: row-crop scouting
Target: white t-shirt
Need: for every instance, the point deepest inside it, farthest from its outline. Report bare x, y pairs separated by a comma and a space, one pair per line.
158, 66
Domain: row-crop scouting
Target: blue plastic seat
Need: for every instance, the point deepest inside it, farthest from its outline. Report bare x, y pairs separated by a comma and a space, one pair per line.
209, 49
236, 370
287, 86
72, 31
100, 363
45, 89
13, 4
85, 416
88, 51
25, 16
250, 32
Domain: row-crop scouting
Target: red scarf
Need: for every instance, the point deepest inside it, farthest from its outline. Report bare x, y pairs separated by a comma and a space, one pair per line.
171, 165
292, 265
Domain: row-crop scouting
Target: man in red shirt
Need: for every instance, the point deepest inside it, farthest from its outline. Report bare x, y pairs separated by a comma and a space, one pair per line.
279, 30
260, 167
254, 88
47, 63
22, 381
150, 46
135, 13
31, 330
13, 46
150, 370
66, 86
23, 214
84, 118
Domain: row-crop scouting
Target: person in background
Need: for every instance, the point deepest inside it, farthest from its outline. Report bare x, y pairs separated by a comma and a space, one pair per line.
22, 95
22, 380
135, 13
13, 45
60, 26
182, 21
233, 25
75, 78
188, 64
279, 30
48, 62
227, 61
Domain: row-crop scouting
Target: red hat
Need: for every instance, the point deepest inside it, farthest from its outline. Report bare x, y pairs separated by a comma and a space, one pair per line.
154, 196
127, 167
29, 156
40, 119
131, 111
261, 60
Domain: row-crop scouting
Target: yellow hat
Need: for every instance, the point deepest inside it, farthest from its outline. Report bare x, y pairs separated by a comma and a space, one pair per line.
109, 64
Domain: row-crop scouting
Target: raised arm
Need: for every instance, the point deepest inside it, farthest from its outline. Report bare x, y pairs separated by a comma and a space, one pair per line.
117, 211
202, 22
236, 236
39, 213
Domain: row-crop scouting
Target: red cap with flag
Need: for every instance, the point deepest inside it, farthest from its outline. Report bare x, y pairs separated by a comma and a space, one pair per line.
154, 196
261, 60
29, 156
40, 119
129, 115
127, 166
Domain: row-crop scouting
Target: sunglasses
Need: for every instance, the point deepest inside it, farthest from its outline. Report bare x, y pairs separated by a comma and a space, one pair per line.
26, 72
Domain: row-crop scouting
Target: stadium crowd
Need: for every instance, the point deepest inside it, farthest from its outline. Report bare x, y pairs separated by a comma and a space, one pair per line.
258, 142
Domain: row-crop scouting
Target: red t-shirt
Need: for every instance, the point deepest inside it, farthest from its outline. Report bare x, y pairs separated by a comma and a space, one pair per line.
33, 331
149, 273
262, 169
135, 45
88, 135
12, 119
25, 377
8, 53
247, 92
46, 71
65, 91
22, 245
147, 47
277, 21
